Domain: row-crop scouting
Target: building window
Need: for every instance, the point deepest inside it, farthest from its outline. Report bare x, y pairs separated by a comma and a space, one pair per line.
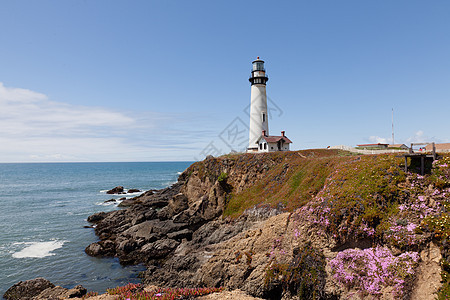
264, 117
265, 146
271, 148
260, 146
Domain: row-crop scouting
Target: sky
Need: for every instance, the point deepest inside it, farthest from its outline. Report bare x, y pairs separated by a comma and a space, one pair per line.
109, 80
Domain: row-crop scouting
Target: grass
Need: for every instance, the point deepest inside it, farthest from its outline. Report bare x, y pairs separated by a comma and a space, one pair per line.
293, 181
297, 179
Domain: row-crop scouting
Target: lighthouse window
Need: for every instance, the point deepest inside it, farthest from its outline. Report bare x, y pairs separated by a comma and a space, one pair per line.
264, 117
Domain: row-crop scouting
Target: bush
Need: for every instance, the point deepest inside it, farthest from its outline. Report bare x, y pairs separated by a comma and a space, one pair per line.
303, 276
222, 177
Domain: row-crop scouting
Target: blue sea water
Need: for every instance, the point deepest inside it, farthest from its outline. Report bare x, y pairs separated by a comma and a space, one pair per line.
43, 211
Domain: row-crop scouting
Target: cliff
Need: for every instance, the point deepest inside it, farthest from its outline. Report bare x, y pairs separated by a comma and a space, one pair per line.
313, 224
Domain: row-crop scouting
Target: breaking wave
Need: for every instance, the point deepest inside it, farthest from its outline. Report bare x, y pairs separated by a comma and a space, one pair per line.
38, 249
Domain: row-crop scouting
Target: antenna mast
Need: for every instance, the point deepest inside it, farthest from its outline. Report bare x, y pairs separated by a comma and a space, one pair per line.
393, 141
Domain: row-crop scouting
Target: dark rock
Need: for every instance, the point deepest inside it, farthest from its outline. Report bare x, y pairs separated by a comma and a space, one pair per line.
27, 289
145, 229
127, 202
102, 248
57, 293
94, 249
126, 246
96, 217
116, 190
133, 191
182, 217
179, 235
77, 292
159, 249
54, 293
150, 214
163, 213
110, 200
178, 204
138, 219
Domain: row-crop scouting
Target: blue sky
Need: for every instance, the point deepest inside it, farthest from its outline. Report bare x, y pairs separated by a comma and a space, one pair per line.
168, 80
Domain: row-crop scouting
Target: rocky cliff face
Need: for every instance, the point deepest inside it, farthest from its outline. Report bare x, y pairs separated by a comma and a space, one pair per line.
316, 224
174, 231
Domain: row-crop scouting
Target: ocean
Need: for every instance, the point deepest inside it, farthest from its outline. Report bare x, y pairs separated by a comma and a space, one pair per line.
43, 211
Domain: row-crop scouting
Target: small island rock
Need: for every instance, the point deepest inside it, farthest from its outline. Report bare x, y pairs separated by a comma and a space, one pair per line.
116, 190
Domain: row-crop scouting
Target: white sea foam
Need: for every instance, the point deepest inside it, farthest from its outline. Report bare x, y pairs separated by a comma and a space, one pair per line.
38, 249
134, 194
179, 173
108, 203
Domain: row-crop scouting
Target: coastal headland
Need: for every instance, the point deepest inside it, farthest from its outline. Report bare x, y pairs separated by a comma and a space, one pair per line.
311, 224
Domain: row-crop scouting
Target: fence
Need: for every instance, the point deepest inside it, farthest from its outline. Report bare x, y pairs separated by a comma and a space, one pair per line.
351, 149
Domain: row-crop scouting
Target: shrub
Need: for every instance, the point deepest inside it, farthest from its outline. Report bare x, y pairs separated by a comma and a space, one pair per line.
222, 177
304, 275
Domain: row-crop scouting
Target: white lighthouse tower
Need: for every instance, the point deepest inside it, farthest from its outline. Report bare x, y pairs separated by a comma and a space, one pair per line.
259, 138
258, 108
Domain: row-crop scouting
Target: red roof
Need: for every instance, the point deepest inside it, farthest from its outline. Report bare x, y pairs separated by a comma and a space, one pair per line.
276, 138
366, 145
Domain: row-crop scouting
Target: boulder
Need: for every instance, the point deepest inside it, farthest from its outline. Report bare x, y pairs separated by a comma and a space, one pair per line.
94, 249
116, 190
77, 292
133, 191
54, 293
96, 217
27, 289
159, 249
102, 248
58, 293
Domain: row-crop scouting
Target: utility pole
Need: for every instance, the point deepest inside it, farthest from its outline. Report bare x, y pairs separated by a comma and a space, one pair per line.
393, 141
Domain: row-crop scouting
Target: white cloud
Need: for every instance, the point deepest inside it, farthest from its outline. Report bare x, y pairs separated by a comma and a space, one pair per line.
25, 112
421, 137
377, 139
34, 128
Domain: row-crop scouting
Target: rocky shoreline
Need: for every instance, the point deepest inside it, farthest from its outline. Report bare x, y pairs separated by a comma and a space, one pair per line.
181, 235
172, 231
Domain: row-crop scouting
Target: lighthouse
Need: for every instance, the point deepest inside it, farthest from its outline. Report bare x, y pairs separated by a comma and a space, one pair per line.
258, 105
259, 138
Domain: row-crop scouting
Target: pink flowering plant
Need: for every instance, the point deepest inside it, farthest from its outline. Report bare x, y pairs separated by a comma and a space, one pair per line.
402, 235
136, 292
370, 270
440, 175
